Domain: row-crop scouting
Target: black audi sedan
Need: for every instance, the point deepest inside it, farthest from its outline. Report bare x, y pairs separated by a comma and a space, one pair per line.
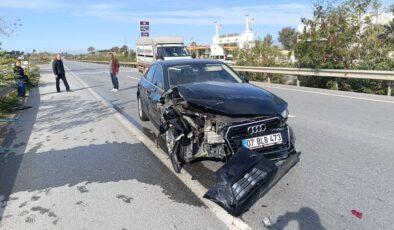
207, 110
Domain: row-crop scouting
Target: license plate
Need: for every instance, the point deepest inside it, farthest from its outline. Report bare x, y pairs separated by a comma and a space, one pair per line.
263, 141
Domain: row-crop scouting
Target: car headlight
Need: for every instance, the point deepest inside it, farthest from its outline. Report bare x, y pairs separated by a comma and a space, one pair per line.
285, 114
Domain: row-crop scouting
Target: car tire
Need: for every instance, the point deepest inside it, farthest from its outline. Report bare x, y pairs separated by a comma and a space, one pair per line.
141, 112
173, 148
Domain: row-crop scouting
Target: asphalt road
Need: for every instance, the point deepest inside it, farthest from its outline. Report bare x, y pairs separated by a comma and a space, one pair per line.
347, 144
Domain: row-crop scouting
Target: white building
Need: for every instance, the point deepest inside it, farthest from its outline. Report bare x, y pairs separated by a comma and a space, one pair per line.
222, 45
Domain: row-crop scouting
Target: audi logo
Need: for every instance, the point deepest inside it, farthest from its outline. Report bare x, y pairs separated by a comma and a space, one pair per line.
256, 129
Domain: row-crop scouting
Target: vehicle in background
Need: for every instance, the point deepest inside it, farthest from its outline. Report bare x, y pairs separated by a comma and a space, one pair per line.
149, 50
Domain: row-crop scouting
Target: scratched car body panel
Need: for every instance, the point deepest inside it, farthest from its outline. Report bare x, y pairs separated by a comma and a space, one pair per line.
206, 110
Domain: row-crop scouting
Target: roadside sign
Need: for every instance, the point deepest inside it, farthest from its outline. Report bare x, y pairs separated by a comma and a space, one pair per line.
144, 26
144, 34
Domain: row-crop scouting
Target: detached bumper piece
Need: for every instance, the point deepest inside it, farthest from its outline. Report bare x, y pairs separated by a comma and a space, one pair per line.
245, 178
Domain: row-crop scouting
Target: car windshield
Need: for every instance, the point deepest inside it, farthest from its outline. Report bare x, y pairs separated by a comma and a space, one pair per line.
172, 51
190, 73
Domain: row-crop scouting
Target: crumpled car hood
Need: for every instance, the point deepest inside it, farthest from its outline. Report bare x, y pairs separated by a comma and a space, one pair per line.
235, 99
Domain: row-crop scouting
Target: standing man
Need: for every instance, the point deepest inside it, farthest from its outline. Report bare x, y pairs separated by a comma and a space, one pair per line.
114, 71
58, 70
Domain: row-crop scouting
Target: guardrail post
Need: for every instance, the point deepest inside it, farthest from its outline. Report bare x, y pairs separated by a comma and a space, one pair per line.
268, 79
298, 82
389, 89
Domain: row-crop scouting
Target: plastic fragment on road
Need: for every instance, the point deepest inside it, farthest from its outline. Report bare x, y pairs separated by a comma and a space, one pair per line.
267, 221
3, 150
357, 214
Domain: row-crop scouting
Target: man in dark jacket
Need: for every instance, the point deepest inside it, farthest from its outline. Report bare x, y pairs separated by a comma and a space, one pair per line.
58, 70
114, 71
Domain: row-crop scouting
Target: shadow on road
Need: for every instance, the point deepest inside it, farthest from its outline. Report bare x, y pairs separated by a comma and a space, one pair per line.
110, 162
306, 218
54, 89
16, 136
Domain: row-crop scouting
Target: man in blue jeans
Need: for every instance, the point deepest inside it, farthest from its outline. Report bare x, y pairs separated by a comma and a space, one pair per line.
114, 71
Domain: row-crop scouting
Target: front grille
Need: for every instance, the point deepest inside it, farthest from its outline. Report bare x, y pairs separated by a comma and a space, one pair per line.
234, 134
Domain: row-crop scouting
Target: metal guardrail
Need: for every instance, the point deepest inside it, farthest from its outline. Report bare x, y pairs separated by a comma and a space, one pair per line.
337, 73
126, 64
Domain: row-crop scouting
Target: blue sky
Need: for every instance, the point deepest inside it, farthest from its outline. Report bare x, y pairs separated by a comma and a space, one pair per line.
73, 26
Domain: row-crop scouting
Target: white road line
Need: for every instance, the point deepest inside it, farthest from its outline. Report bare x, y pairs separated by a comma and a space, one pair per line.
329, 94
291, 116
185, 177
134, 78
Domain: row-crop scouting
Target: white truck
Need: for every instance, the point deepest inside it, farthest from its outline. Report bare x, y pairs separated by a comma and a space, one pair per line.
149, 50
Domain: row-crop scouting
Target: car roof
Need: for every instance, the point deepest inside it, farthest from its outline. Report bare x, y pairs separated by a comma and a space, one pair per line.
169, 63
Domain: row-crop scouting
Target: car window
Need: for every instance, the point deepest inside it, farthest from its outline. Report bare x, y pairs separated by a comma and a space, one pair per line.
200, 72
151, 71
172, 51
158, 77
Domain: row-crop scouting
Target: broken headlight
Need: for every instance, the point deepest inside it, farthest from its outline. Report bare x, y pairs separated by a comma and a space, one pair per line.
285, 114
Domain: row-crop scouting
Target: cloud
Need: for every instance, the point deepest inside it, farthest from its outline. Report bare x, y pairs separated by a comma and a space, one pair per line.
180, 14
281, 14
37, 5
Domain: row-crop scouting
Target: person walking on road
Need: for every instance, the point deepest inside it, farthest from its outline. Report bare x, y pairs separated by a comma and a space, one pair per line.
58, 70
114, 71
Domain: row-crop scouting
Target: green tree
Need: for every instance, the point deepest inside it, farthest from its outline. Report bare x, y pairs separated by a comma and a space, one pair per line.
124, 48
267, 40
91, 49
388, 33
262, 53
340, 36
115, 49
288, 37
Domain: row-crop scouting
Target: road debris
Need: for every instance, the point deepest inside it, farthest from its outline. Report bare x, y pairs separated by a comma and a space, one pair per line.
3, 150
357, 214
267, 221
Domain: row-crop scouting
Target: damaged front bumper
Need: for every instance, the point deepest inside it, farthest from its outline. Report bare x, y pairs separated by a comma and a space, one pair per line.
246, 177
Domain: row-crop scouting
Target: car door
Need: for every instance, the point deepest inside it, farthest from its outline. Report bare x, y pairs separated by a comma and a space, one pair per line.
158, 84
146, 90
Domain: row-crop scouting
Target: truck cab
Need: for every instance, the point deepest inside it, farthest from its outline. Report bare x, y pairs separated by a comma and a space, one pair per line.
150, 50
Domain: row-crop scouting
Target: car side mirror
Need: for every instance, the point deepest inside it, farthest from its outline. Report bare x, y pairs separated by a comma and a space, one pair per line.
245, 79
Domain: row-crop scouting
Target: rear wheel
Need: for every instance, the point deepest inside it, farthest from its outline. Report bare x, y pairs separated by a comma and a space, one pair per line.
141, 112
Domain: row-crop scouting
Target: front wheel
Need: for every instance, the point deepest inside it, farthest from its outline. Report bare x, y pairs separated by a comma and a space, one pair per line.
173, 149
141, 112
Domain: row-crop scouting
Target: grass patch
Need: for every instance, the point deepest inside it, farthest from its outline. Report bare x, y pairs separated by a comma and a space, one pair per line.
34, 75
8, 103
12, 100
